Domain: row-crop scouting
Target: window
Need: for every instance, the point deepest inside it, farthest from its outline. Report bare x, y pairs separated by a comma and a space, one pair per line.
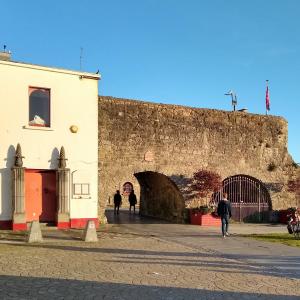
39, 107
81, 189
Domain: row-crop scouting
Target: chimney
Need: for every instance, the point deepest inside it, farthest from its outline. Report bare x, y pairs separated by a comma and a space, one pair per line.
5, 55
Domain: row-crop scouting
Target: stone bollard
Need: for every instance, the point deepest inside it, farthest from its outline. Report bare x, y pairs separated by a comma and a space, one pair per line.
90, 233
35, 233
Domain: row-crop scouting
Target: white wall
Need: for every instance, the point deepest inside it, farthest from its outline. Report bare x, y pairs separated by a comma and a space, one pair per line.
74, 101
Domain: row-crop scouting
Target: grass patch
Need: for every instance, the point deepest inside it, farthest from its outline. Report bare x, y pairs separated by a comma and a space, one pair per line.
282, 238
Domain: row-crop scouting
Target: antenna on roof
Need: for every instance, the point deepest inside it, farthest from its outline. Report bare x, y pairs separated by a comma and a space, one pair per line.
81, 56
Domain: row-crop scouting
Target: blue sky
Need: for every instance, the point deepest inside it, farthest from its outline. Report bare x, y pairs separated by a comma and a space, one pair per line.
170, 51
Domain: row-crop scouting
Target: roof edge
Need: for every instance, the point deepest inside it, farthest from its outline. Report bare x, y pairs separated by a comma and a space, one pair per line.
86, 75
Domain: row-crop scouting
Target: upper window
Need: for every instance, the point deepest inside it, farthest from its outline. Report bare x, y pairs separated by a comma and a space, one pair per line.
39, 107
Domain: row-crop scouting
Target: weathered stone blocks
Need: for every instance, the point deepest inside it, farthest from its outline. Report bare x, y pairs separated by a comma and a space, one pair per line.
183, 140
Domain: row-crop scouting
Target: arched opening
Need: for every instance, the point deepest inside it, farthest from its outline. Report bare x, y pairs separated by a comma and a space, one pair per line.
160, 197
250, 199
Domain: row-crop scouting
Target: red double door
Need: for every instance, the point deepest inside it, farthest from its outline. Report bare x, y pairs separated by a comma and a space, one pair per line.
40, 195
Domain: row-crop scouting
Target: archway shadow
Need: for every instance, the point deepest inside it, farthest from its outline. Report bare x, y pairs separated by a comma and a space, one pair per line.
160, 197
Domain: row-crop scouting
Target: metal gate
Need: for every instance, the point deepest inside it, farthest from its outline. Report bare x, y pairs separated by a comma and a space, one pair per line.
248, 196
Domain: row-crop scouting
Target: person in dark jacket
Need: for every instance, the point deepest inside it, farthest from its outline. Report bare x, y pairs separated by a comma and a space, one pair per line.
117, 202
224, 211
132, 201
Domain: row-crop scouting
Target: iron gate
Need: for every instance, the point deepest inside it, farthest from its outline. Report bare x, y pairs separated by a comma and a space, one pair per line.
248, 196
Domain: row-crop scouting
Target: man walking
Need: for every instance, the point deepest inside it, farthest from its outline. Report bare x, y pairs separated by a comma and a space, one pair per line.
117, 202
224, 211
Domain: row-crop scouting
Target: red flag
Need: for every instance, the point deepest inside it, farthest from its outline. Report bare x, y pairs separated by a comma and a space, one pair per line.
267, 99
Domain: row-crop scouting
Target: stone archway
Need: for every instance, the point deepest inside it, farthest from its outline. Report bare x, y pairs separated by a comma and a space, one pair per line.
160, 197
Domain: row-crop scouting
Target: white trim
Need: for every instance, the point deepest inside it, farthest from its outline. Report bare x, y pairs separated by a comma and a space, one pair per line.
37, 128
51, 69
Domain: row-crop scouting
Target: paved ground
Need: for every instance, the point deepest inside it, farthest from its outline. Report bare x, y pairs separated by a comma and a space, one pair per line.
146, 259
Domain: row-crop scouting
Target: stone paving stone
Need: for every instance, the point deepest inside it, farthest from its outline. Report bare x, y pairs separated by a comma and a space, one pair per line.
129, 266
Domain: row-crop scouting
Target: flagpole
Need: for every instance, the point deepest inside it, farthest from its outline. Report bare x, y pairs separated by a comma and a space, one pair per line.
267, 95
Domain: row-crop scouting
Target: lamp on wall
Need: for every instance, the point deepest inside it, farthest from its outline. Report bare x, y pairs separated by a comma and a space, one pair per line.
73, 128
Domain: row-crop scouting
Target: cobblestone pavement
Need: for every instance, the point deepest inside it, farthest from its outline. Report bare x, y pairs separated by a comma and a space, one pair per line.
130, 265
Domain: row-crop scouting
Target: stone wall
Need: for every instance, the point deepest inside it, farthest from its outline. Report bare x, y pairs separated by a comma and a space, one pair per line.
176, 141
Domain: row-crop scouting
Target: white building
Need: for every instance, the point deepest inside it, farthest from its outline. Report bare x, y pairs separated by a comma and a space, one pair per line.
44, 109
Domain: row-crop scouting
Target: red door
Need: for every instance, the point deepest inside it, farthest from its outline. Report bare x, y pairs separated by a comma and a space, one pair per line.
33, 195
40, 195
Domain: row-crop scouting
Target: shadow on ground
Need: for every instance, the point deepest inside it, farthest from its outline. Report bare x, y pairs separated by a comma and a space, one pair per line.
13, 287
286, 267
124, 217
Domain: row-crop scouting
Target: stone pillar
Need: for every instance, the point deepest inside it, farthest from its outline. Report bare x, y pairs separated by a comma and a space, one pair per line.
90, 233
63, 183
18, 199
18, 192
35, 233
63, 189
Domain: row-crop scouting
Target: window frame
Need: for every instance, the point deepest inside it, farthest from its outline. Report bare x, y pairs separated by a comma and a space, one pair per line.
87, 185
30, 90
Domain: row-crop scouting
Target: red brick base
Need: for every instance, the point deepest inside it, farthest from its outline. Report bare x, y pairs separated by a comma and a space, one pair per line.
74, 223
19, 226
205, 220
63, 225
77, 223
81, 223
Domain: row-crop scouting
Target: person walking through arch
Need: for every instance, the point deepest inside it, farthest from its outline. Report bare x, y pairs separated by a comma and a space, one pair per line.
224, 211
117, 201
132, 201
